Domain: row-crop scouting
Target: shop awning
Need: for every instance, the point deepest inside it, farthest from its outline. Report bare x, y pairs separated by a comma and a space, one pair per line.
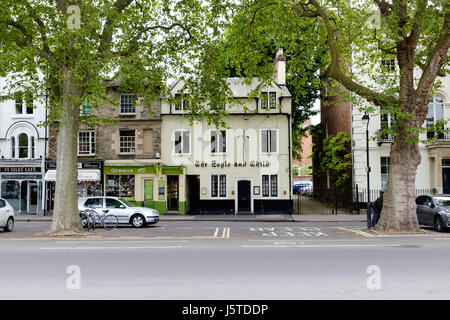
83, 175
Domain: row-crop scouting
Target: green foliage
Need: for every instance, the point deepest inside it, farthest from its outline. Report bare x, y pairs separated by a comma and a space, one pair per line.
337, 160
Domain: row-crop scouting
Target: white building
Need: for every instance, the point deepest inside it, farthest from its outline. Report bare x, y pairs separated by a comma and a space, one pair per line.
245, 168
22, 149
433, 173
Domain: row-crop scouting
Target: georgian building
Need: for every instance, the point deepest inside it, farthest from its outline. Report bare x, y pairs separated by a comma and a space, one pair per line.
245, 168
120, 158
22, 148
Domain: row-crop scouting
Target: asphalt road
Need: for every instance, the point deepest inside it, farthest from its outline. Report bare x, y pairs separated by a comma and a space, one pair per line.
225, 260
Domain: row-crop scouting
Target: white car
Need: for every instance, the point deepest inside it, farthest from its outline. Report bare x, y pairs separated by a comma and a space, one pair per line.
125, 211
6, 216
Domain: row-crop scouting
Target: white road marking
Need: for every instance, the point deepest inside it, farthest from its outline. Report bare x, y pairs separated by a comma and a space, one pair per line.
119, 241
216, 233
109, 248
322, 246
228, 233
359, 232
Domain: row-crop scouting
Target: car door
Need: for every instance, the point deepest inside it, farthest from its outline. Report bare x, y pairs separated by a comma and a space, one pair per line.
428, 212
420, 201
117, 208
95, 203
3, 214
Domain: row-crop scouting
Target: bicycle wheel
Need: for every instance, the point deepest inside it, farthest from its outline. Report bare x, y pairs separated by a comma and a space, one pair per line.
110, 222
85, 220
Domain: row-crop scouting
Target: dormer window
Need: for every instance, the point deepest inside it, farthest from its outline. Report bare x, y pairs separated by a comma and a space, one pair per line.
181, 103
268, 100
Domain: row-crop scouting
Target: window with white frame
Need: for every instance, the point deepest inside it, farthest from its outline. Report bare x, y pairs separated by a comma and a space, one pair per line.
24, 103
86, 143
182, 142
218, 141
270, 185
127, 141
269, 141
435, 115
388, 64
384, 162
127, 105
13, 147
268, 100
180, 102
23, 145
218, 186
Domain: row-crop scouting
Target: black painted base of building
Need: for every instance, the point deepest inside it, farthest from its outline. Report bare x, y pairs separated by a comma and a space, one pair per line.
227, 207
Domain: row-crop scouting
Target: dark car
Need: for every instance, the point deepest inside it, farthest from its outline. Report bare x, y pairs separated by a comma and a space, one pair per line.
434, 210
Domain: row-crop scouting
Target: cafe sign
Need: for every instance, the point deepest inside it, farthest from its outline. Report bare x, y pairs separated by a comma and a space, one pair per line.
20, 169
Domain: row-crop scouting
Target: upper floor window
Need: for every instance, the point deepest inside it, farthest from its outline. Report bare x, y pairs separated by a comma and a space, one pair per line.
86, 108
127, 141
218, 141
24, 103
127, 105
182, 141
86, 143
268, 100
23, 146
13, 147
388, 64
181, 103
434, 115
269, 141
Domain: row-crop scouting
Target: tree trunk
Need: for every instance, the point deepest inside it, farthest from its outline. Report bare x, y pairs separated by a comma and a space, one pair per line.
66, 218
399, 206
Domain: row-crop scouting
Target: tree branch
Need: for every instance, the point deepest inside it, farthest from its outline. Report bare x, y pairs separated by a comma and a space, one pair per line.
435, 61
336, 72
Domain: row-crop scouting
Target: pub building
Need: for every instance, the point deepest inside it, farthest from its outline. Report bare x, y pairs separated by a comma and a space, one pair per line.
242, 169
90, 180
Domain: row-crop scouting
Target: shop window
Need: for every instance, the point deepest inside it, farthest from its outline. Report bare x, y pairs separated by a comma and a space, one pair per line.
120, 186
218, 141
127, 141
182, 142
218, 185
270, 185
10, 190
269, 141
127, 104
86, 143
23, 146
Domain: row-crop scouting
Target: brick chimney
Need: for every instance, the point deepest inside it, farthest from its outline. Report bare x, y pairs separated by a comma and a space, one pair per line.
280, 67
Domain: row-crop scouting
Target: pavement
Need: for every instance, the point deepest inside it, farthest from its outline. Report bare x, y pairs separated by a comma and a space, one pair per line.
243, 218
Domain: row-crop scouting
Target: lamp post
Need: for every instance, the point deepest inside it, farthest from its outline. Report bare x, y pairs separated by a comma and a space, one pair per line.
369, 216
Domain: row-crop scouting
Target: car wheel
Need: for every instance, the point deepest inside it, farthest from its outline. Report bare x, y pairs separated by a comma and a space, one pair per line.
9, 225
138, 221
438, 224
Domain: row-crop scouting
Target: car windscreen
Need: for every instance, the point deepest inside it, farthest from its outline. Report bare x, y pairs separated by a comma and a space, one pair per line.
442, 201
128, 203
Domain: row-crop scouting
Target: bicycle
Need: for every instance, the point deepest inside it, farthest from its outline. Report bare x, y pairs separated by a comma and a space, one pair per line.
90, 219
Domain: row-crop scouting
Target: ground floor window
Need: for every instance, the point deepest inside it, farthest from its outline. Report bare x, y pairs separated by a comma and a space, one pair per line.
218, 185
89, 189
270, 185
120, 186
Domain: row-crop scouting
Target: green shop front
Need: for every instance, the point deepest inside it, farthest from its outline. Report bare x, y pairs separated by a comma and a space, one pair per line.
151, 185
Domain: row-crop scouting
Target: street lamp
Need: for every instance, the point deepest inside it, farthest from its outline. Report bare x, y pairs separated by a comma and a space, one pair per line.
369, 218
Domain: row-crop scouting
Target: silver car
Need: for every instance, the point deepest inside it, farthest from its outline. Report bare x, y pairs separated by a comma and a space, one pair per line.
434, 210
6, 216
125, 211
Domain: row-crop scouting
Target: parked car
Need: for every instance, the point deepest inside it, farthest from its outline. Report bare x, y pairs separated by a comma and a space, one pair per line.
6, 216
434, 210
302, 187
126, 212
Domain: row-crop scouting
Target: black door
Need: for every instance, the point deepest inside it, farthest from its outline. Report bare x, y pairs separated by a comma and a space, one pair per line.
446, 180
244, 196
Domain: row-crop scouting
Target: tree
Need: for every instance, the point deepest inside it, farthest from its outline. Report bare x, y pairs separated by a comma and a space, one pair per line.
74, 48
356, 38
337, 160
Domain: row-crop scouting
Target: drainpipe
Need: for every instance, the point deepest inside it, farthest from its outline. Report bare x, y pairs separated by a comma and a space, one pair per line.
290, 163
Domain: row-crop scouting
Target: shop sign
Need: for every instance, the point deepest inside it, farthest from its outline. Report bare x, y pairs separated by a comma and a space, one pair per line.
81, 165
130, 170
20, 169
227, 164
21, 176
